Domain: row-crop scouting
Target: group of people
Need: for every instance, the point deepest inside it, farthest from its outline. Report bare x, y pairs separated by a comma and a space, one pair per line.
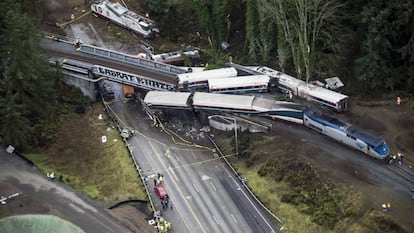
165, 202
399, 157
159, 179
163, 225
386, 207
50, 175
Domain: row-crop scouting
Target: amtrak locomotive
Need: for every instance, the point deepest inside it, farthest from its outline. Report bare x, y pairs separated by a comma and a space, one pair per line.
346, 133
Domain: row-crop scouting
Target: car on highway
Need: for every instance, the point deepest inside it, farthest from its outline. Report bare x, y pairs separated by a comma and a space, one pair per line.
160, 191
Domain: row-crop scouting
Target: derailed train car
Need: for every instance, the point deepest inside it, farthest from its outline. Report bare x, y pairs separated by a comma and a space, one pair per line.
125, 18
343, 132
346, 133
311, 92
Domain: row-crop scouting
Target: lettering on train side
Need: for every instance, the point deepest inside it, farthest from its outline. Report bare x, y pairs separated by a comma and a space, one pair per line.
133, 78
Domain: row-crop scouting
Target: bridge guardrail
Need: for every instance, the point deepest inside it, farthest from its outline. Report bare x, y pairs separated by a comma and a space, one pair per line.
159, 67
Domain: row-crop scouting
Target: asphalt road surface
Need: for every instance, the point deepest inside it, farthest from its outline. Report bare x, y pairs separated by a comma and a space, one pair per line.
205, 195
42, 196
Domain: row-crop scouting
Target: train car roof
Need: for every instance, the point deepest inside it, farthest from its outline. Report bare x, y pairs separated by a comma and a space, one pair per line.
223, 101
167, 98
194, 69
207, 74
263, 104
282, 77
327, 119
268, 71
365, 136
239, 81
354, 131
116, 7
325, 94
288, 105
242, 70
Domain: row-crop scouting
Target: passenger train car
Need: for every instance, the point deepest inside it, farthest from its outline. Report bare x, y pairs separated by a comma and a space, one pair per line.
310, 92
346, 133
176, 57
199, 80
239, 84
125, 18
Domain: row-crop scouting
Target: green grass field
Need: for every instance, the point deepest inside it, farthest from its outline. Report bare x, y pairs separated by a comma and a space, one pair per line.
103, 171
274, 184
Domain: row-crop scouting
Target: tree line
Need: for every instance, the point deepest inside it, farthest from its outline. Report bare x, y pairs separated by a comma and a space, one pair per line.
369, 44
31, 92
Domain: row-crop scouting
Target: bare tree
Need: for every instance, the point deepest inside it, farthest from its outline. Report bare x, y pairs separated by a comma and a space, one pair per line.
304, 24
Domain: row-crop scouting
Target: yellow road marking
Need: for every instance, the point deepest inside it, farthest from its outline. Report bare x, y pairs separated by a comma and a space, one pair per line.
176, 185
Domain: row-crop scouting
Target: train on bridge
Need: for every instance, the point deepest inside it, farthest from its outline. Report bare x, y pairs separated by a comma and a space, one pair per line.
123, 68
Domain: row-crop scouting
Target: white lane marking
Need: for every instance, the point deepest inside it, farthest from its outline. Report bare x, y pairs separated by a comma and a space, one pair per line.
195, 187
216, 220
212, 185
234, 218
250, 201
173, 173
75, 207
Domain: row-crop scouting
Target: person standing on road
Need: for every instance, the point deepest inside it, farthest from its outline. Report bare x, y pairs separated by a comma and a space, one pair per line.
393, 159
400, 158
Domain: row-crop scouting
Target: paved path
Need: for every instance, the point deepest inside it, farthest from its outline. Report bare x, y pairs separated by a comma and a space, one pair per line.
42, 196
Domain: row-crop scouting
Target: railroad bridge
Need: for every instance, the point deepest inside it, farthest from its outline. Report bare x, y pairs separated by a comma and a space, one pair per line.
87, 64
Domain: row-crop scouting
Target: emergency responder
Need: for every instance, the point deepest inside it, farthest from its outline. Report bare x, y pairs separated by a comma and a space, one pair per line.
77, 43
400, 158
384, 207
393, 159
167, 225
160, 225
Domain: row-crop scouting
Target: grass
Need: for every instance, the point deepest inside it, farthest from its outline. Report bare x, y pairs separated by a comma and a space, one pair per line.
103, 171
269, 192
296, 193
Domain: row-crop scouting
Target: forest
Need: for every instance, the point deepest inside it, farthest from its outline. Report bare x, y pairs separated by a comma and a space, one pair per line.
368, 44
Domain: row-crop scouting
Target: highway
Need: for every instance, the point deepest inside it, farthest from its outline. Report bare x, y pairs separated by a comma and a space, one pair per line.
205, 195
42, 196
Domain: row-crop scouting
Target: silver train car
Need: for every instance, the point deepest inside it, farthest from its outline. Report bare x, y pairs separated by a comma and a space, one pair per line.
346, 133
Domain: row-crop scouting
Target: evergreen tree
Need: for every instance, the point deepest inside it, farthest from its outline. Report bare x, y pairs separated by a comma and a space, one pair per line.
214, 18
388, 45
252, 29
26, 87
